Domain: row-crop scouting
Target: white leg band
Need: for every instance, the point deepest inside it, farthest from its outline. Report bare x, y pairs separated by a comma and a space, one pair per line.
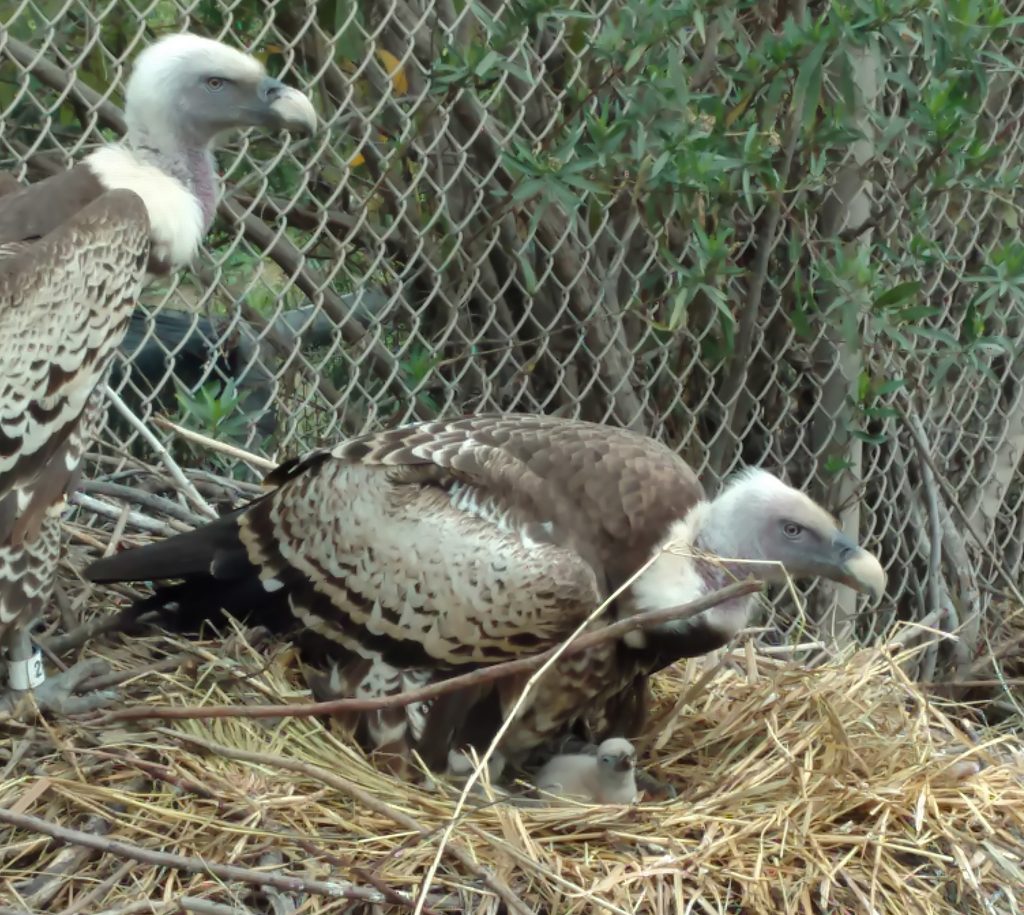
26, 674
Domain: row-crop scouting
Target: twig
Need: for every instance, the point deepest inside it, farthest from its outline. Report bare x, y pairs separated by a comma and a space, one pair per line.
205, 907
473, 678
223, 447
114, 512
142, 497
183, 483
117, 677
44, 886
76, 638
98, 892
360, 796
389, 892
230, 872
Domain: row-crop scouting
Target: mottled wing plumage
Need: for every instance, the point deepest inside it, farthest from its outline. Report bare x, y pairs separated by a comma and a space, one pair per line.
64, 305
422, 574
608, 492
435, 548
466, 542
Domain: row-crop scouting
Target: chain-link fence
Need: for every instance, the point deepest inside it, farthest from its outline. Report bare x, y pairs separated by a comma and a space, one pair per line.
771, 235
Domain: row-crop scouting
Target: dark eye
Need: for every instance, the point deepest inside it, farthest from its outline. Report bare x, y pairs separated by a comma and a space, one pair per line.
215, 83
791, 529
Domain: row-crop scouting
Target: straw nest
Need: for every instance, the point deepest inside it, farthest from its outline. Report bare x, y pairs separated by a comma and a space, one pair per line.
842, 789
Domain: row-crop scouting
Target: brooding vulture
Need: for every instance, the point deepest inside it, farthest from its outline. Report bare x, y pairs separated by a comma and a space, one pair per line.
438, 547
76, 250
609, 777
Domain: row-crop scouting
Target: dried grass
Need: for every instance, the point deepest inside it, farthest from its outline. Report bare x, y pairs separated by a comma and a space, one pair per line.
843, 789
840, 790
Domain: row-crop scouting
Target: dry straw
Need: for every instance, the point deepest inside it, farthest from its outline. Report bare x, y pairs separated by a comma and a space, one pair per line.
843, 789
840, 790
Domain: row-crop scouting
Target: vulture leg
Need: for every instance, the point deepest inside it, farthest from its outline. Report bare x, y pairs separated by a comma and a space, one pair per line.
56, 694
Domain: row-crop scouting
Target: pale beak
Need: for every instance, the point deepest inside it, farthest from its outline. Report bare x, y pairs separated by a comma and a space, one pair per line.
288, 109
860, 569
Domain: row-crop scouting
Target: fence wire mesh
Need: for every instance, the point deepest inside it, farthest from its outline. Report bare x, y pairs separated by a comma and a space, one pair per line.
600, 209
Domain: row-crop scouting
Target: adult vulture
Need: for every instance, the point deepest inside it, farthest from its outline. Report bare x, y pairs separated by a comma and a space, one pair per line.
439, 547
75, 250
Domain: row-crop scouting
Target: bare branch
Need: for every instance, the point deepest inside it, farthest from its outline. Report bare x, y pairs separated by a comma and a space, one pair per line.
231, 872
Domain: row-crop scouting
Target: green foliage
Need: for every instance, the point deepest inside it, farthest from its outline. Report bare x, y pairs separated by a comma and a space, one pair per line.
215, 410
649, 145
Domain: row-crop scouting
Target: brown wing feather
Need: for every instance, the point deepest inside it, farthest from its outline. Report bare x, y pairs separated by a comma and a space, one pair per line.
475, 540
32, 212
397, 567
608, 490
437, 546
64, 306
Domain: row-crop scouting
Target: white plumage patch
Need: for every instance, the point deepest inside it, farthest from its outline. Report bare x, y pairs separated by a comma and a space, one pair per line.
175, 215
673, 579
471, 500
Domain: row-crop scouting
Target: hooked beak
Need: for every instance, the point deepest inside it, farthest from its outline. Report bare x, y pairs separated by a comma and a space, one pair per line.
858, 568
286, 108
624, 764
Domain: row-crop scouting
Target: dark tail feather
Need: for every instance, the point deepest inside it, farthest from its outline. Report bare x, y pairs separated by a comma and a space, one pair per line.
211, 573
182, 556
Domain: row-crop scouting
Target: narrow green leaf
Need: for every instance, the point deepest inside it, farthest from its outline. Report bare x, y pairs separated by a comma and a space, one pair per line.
897, 294
808, 84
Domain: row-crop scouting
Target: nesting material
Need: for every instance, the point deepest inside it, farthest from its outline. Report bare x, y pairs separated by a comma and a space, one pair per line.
835, 790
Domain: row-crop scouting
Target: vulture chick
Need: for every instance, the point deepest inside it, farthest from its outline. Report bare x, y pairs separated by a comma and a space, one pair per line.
607, 778
75, 251
432, 549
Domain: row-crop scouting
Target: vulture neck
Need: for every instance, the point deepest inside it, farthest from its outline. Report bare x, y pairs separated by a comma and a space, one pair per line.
722, 542
190, 162
709, 549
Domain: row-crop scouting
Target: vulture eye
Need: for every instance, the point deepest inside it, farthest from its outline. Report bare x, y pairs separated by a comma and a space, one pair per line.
792, 530
215, 83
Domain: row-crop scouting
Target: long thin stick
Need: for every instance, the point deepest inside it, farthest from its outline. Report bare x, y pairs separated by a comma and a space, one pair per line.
365, 799
473, 678
231, 872
114, 512
193, 494
223, 447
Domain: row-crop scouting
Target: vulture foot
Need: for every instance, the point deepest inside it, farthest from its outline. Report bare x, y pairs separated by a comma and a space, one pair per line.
58, 694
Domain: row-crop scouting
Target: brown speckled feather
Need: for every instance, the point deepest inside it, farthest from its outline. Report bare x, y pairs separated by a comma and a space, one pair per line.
64, 306
441, 546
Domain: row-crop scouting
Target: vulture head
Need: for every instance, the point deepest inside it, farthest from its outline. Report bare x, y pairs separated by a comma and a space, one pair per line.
779, 531
185, 89
616, 758
757, 527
